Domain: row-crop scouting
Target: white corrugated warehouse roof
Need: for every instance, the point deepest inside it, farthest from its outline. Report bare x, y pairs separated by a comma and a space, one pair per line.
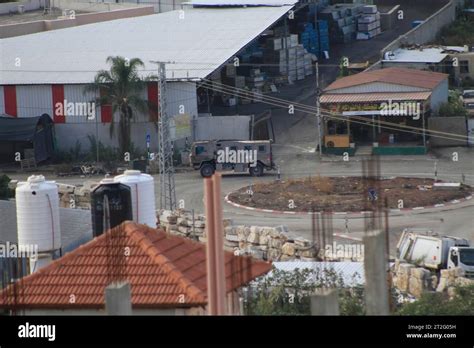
427, 55
241, 2
199, 40
352, 273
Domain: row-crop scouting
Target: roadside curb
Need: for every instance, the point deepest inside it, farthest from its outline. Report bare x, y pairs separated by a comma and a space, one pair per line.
352, 214
346, 236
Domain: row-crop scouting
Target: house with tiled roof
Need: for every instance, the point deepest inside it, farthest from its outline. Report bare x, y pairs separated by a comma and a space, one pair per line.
381, 111
167, 275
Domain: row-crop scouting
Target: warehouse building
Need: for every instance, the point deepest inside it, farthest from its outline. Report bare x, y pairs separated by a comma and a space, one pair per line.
44, 69
382, 111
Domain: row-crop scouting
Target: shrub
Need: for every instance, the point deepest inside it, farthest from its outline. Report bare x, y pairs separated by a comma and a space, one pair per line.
5, 191
440, 304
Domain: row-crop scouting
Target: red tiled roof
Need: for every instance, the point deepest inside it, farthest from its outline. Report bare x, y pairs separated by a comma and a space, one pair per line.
160, 268
372, 97
399, 76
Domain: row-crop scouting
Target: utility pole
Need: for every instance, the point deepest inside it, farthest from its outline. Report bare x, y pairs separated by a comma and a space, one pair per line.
165, 159
375, 266
318, 110
215, 263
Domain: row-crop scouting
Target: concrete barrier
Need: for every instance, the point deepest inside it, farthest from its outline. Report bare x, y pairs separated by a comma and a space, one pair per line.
455, 125
426, 31
388, 19
18, 29
12, 7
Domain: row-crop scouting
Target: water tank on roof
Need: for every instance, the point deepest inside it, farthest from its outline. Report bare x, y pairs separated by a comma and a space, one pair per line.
37, 212
143, 196
119, 202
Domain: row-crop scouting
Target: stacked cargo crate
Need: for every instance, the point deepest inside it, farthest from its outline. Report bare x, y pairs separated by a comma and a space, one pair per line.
342, 19
255, 83
323, 30
316, 41
310, 39
368, 23
288, 58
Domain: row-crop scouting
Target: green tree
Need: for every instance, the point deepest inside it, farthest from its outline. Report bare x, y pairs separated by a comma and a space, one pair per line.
122, 88
288, 293
453, 107
343, 67
440, 304
5, 191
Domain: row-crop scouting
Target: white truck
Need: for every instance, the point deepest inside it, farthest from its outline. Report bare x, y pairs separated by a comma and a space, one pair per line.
434, 252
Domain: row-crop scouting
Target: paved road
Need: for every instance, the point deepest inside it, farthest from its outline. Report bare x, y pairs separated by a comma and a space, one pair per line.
457, 220
294, 152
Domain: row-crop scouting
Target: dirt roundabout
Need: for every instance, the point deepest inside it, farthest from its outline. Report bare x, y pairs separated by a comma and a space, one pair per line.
344, 194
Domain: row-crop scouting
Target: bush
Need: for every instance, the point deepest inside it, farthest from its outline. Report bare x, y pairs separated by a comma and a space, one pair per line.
458, 33
453, 107
5, 191
289, 293
440, 304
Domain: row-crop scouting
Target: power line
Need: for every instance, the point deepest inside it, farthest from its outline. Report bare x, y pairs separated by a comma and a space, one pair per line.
329, 113
285, 104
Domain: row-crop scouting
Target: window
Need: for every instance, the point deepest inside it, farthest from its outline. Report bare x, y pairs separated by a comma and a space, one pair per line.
467, 256
464, 67
248, 147
454, 257
200, 150
261, 148
233, 148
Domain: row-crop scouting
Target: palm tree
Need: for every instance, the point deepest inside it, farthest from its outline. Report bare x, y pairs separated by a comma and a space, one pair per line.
122, 88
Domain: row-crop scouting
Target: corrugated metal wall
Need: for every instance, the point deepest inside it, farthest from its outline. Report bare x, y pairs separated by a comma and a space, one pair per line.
181, 96
2, 101
439, 96
75, 93
379, 87
34, 100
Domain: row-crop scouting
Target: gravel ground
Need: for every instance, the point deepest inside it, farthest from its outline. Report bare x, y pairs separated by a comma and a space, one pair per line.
343, 194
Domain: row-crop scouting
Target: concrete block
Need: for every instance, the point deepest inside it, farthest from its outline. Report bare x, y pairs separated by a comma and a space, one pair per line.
118, 299
288, 249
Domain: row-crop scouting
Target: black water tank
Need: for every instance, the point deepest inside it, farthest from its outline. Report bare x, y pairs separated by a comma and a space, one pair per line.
120, 205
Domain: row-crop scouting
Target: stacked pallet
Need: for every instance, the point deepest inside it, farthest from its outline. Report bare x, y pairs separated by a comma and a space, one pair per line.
310, 39
368, 24
323, 30
342, 19
255, 82
286, 56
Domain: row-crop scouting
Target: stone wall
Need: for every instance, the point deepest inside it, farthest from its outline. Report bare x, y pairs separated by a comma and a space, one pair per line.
76, 197
414, 281
267, 243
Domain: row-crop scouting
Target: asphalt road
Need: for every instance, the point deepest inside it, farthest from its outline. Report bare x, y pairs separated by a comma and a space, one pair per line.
294, 151
457, 220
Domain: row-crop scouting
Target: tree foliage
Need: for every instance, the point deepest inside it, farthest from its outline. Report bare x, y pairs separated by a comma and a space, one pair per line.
440, 304
453, 107
288, 293
122, 88
5, 191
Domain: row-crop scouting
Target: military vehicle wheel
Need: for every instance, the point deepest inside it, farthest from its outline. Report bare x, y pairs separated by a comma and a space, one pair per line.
207, 170
257, 170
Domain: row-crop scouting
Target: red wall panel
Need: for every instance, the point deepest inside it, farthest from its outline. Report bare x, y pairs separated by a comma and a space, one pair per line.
105, 111
58, 98
153, 98
9, 95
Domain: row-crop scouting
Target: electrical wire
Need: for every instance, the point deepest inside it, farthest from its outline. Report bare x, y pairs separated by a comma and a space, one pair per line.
285, 104
328, 112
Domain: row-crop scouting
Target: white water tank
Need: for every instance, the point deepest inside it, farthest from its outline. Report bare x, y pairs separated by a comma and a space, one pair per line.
40, 261
142, 188
37, 213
